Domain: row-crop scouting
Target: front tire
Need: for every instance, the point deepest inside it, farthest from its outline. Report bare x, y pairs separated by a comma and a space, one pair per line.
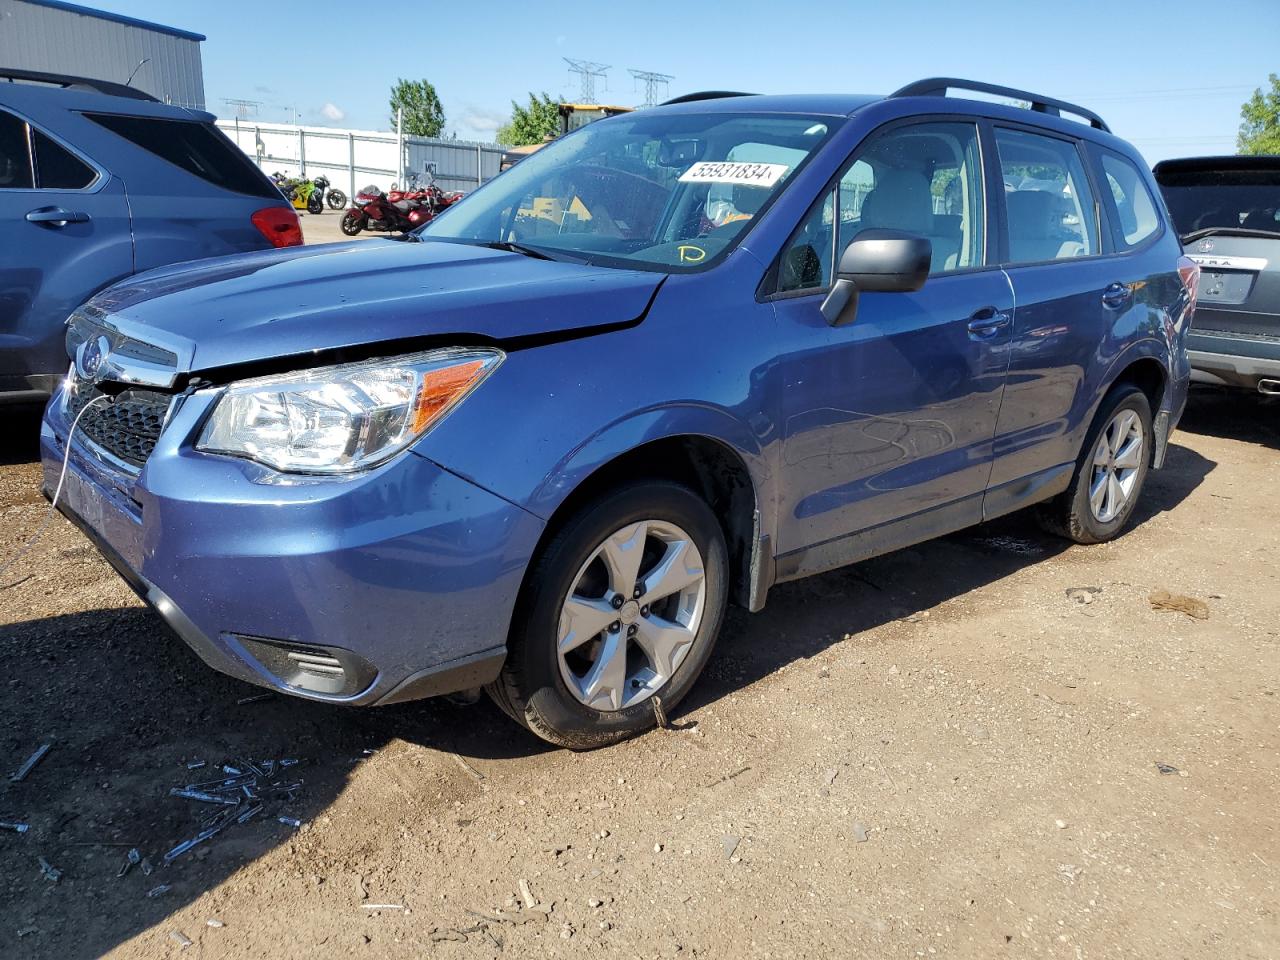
336, 199
623, 604
314, 204
1110, 473
352, 224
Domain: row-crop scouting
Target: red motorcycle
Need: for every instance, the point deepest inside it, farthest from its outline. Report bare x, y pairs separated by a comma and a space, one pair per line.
398, 211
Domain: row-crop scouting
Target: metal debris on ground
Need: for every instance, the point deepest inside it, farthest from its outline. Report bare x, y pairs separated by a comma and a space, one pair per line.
1166, 768
130, 861
1082, 595
214, 923
49, 871
526, 894
21, 773
15, 826
159, 891
860, 834
196, 764
180, 938
382, 906
1167, 602
729, 845
257, 698
243, 792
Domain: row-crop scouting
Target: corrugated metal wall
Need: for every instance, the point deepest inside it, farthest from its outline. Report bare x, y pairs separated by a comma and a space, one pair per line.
352, 159
35, 37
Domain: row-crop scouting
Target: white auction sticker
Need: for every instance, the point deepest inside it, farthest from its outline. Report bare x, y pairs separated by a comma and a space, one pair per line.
734, 171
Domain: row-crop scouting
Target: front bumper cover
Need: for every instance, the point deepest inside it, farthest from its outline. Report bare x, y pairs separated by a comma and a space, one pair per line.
405, 577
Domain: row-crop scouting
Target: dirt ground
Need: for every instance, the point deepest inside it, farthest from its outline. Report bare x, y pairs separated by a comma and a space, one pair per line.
950, 751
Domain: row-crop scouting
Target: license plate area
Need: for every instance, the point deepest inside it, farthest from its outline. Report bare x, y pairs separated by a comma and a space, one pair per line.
1225, 286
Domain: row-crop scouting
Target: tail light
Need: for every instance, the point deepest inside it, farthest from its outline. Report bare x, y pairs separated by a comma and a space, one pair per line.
279, 225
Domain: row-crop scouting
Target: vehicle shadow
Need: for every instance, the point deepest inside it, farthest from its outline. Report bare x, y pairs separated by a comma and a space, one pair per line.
1232, 415
127, 705
20, 438
806, 617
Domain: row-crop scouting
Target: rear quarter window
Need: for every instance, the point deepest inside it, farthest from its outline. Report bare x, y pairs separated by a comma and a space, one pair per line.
198, 148
1133, 213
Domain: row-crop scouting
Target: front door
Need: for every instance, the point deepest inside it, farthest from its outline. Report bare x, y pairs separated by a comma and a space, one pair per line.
888, 421
64, 230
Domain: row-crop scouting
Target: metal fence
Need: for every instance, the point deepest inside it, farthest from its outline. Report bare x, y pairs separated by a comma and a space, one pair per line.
352, 159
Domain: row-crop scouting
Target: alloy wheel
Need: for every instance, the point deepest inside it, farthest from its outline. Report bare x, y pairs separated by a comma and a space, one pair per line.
631, 615
1117, 461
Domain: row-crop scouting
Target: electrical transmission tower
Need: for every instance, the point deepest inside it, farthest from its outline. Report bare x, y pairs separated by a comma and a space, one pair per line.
244, 108
651, 83
588, 71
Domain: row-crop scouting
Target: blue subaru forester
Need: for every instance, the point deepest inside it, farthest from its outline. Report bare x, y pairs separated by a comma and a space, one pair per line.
661, 365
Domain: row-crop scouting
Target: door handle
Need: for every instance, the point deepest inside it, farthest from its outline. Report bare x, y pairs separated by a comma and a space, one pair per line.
1116, 295
987, 322
56, 216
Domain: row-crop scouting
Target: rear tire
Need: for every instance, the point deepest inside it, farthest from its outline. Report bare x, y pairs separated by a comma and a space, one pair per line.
352, 224
1110, 473
557, 679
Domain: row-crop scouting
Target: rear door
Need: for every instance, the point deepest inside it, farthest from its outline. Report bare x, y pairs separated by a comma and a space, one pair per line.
1069, 295
64, 234
1227, 210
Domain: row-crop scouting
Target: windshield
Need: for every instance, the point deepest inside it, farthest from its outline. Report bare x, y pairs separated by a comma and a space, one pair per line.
1237, 199
657, 192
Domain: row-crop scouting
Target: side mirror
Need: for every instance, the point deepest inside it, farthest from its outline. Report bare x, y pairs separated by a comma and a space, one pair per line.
877, 261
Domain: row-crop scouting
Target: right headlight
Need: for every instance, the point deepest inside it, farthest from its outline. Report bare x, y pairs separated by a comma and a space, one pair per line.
344, 418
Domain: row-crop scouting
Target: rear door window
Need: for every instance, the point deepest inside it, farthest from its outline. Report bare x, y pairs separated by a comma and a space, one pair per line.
57, 168
1049, 207
198, 148
1132, 208
15, 154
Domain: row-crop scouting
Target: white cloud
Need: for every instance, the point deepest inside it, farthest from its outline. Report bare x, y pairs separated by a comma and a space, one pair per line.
480, 120
333, 112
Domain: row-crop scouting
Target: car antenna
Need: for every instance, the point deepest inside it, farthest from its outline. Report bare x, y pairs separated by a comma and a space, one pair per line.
129, 82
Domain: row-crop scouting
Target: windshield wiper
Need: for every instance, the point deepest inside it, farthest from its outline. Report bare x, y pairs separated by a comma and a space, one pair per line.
1228, 232
538, 253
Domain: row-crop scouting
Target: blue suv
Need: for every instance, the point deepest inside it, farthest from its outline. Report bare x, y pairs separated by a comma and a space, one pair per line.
669, 361
99, 181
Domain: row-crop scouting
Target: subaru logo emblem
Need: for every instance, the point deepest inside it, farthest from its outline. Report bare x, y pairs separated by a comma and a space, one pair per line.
90, 356
1206, 246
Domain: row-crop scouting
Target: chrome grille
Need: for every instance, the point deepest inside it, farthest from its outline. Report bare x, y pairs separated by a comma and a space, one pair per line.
128, 427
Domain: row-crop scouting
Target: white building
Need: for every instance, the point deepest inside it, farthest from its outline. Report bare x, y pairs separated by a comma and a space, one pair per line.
50, 36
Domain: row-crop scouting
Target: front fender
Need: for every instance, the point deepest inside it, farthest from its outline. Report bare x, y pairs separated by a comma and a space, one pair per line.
666, 422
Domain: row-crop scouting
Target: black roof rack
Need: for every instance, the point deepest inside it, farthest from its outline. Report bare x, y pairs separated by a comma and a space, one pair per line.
706, 95
938, 87
69, 82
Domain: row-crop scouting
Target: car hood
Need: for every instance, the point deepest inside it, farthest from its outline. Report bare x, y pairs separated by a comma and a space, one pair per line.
229, 311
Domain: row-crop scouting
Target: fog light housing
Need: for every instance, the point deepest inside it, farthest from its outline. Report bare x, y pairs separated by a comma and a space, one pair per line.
310, 668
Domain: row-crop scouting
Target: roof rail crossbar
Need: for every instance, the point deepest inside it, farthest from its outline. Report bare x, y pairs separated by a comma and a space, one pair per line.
69, 82
705, 95
938, 87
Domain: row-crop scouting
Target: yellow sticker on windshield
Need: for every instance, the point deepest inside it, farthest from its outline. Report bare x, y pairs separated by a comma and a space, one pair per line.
691, 254
733, 171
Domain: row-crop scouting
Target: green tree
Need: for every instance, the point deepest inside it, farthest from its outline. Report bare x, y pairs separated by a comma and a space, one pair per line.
423, 114
1260, 121
531, 124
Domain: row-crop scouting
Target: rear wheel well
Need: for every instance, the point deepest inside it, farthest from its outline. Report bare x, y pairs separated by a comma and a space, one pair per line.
710, 468
1148, 376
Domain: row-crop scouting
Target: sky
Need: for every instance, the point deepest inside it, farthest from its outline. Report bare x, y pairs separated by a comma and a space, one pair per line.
1167, 75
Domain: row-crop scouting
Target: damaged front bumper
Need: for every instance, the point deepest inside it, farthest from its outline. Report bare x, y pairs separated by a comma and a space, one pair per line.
392, 585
